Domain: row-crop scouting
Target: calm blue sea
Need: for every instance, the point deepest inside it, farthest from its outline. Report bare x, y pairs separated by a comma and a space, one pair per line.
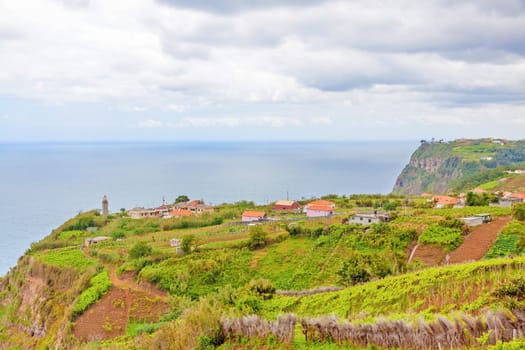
43, 184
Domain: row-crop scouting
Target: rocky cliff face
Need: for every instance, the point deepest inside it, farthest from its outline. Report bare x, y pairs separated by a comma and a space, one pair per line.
438, 167
431, 169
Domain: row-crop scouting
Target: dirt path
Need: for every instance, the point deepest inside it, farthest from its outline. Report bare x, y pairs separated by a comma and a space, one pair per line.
126, 280
479, 241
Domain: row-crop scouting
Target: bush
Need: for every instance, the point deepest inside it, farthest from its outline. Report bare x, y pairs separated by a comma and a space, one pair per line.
258, 237
118, 234
188, 243
353, 271
518, 211
262, 288
249, 304
139, 250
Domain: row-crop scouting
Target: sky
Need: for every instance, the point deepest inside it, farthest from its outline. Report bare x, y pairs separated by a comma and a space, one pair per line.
177, 70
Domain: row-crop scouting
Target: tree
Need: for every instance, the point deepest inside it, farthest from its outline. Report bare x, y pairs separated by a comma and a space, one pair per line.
257, 237
353, 271
182, 198
139, 250
188, 243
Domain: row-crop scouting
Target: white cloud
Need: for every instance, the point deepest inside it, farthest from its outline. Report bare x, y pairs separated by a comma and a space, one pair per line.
232, 122
322, 121
149, 124
277, 64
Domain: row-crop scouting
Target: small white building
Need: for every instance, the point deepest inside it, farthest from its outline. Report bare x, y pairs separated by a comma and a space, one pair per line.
472, 221
369, 218
477, 219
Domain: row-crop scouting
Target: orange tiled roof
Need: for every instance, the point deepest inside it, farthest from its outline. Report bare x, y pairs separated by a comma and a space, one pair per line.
320, 207
287, 203
181, 212
322, 202
253, 214
445, 200
479, 190
518, 195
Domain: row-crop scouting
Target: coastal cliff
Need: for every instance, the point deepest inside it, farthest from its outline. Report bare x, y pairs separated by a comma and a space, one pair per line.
440, 167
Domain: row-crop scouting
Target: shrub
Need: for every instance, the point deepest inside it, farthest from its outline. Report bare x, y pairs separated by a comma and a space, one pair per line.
353, 271
262, 288
118, 234
249, 304
188, 243
139, 250
518, 211
258, 237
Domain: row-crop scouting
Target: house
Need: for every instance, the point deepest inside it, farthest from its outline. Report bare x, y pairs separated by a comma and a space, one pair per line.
320, 208
252, 215
509, 199
369, 218
286, 205
196, 206
445, 201
94, 240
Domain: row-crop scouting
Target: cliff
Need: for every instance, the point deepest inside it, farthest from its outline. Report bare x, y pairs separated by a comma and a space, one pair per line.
440, 167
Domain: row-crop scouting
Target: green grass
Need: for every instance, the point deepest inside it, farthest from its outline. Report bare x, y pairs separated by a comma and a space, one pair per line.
135, 329
507, 241
66, 235
65, 258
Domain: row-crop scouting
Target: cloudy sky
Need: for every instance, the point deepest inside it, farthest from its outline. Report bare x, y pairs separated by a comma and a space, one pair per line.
261, 70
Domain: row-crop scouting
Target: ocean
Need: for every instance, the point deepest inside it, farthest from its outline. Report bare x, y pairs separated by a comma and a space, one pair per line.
44, 184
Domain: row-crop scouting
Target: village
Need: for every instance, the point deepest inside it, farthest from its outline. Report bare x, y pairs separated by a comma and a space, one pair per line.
315, 209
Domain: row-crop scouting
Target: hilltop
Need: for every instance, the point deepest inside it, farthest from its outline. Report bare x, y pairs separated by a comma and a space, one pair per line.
286, 282
441, 167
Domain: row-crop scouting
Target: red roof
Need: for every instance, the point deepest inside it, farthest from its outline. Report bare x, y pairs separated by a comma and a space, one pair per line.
320, 207
254, 214
518, 195
478, 190
445, 200
181, 212
322, 202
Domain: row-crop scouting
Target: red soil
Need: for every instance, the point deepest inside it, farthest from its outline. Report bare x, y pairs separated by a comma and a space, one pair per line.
478, 242
125, 302
430, 255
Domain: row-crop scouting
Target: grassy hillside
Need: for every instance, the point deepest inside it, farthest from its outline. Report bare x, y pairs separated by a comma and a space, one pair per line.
135, 290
